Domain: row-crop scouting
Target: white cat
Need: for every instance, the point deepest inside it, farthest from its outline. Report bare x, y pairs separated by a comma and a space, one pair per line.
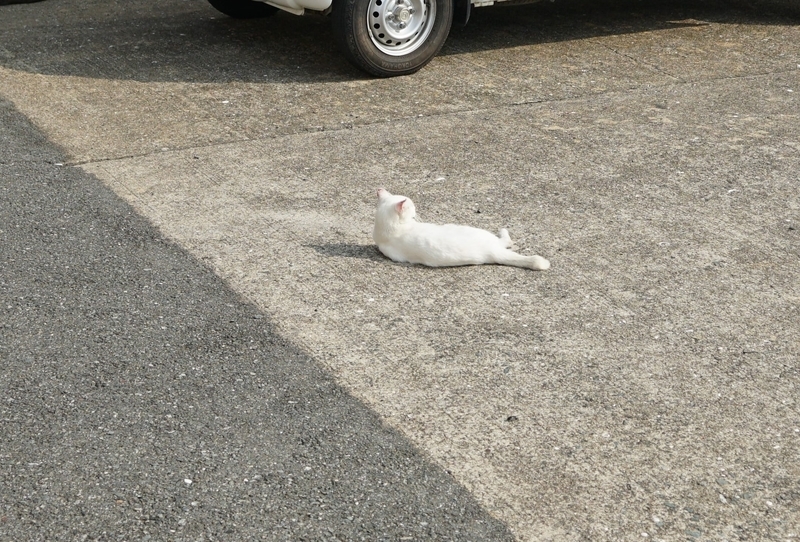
401, 238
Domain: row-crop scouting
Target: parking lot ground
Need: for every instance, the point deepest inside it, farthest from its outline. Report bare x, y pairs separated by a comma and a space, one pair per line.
143, 399
644, 387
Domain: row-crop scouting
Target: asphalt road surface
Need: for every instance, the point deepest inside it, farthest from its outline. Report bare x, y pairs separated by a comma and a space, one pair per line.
199, 340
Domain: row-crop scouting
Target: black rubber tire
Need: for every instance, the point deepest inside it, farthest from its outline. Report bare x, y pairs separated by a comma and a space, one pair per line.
349, 19
243, 9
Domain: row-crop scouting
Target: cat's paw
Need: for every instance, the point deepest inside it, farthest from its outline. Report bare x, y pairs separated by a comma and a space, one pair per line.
539, 263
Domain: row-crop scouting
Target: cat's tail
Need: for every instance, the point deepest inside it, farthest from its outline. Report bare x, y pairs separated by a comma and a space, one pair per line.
509, 257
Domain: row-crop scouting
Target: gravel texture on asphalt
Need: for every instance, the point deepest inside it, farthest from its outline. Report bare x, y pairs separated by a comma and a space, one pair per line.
143, 399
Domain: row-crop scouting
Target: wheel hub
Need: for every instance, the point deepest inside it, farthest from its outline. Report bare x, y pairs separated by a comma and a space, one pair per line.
399, 27
402, 14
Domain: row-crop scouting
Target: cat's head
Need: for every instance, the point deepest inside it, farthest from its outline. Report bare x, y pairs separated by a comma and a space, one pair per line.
395, 208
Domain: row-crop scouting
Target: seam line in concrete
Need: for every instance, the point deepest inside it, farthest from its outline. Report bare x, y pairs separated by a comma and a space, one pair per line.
680, 82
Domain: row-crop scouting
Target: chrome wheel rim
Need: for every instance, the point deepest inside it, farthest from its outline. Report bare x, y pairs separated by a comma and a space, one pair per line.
400, 27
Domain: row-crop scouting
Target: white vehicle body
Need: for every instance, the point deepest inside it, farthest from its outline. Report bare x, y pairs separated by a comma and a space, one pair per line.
386, 38
298, 7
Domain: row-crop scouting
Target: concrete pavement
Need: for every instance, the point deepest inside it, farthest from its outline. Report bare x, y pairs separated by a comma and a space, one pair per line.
143, 399
644, 387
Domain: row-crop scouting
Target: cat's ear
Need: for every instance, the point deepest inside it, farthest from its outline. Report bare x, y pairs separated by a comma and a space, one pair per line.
381, 192
399, 205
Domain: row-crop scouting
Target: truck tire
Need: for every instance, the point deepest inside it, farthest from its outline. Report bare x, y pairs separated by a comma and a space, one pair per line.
391, 37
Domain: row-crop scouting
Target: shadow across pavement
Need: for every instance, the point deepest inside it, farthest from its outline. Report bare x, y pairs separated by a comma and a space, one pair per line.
194, 43
349, 250
143, 397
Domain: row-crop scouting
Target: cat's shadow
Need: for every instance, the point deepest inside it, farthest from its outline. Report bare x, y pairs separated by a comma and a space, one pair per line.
349, 250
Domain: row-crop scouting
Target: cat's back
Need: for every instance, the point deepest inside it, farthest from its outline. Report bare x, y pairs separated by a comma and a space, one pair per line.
446, 244
455, 233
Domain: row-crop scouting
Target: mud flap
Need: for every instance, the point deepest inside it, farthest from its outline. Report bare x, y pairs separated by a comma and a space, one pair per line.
461, 11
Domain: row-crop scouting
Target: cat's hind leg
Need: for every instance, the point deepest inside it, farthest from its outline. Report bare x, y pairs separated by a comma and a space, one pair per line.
505, 238
509, 257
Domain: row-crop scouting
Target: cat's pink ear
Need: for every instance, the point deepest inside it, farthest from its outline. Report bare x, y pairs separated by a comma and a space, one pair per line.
400, 205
